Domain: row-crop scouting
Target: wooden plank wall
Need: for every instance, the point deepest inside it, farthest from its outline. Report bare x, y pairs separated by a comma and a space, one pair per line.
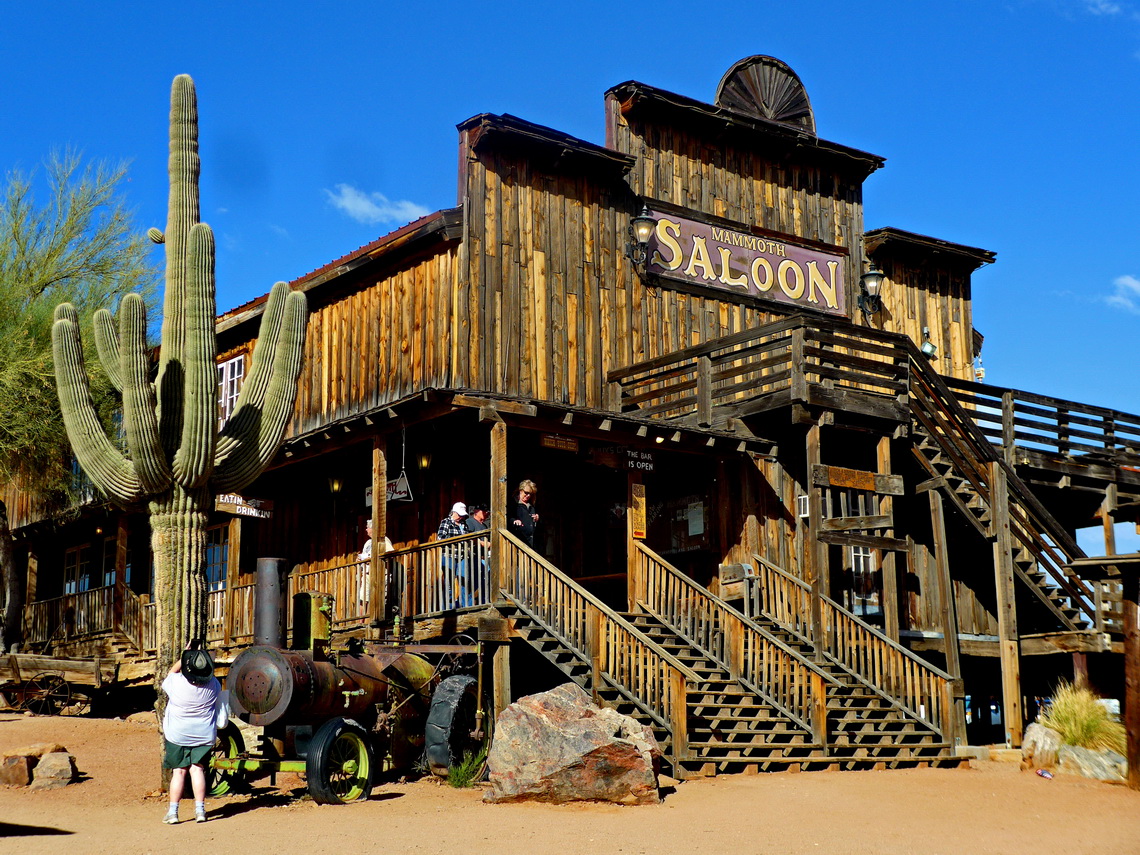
560, 304
723, 178
919, 294
378, 343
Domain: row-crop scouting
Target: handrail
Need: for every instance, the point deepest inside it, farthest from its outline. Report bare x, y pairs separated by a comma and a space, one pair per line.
346, 583
752, 655
883, 664
619, 653
87, 612
441, 575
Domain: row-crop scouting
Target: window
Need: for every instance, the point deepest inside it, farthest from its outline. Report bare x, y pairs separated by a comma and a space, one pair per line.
864, 584
230, 376
110, 547
77, 569
217, 556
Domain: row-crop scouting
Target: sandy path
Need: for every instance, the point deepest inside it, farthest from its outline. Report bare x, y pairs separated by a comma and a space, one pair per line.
991, 808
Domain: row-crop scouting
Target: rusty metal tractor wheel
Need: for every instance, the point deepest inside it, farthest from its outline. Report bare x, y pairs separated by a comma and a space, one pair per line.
47, 694
228, 745
340, 763
454, 734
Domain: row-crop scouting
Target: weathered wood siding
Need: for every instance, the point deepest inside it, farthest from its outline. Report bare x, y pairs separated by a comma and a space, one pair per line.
724, 177
917, 294
380, 341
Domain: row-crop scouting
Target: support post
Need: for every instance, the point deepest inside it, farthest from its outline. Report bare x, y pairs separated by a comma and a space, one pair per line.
1006, 607
498, 520
377, 583
815, 551
1130, 602
956, 716
634, 516
118, 599
233, 568
888, 559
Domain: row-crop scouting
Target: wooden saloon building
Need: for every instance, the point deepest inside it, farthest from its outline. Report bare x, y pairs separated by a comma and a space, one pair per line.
779, 519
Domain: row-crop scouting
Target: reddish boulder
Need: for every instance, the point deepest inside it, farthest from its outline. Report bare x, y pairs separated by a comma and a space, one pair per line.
15, 770
559, 746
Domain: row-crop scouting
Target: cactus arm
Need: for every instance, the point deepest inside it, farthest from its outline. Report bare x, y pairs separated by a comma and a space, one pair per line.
107, 345
263, 438
183, 213
104, 464
138, 398
247, 410
194, 460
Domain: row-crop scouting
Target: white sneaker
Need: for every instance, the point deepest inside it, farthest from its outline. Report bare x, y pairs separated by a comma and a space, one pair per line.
171, 817
199, 815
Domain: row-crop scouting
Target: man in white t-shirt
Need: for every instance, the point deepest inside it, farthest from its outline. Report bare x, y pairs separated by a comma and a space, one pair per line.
189, 728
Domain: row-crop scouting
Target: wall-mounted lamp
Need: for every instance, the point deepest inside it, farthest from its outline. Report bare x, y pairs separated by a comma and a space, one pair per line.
336, 484
872, 281
929, 348
640, 231
424, 459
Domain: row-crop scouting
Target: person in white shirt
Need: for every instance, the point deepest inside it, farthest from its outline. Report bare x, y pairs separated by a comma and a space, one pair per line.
189, 728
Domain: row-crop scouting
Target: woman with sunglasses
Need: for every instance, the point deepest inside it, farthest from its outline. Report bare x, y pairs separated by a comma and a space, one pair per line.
524, 520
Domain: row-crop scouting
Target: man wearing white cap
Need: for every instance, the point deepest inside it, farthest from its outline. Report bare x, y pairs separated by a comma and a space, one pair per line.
451, 562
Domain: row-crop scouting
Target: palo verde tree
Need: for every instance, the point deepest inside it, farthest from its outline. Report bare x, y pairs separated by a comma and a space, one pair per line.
74, 243
175, 457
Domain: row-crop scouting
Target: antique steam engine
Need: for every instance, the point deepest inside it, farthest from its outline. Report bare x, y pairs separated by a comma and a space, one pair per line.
342, 717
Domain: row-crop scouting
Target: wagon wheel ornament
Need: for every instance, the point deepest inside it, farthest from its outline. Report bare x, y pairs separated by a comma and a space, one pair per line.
47, 694
460, 660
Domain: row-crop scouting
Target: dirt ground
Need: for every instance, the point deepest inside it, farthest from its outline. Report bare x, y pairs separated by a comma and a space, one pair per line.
988, 808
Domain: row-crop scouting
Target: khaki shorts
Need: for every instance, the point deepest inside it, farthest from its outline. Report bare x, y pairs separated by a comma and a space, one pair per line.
184, 756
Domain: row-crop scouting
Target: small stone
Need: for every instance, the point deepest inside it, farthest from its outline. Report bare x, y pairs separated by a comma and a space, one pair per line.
1040, 746
38, 749
15, 770
53, 771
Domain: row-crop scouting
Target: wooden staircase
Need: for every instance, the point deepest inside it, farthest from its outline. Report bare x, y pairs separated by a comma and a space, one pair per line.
970, 472
722, 692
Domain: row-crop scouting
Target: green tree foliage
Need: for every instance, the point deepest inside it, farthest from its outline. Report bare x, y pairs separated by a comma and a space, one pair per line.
76, 244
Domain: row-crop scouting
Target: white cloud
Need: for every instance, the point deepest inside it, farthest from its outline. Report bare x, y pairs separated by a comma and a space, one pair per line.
279, 231
1126, 295
1103, 7
371, 208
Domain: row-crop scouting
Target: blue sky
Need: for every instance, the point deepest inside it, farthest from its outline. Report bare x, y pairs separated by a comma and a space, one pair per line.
1012, 126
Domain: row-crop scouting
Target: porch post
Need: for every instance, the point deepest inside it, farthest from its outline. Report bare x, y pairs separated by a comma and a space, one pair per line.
888, 558
118, 589
377, 587
498, 507
956, 716
233, 569
815, 551
1006, 606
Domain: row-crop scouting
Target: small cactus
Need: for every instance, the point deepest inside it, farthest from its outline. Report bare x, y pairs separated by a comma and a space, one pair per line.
175, 456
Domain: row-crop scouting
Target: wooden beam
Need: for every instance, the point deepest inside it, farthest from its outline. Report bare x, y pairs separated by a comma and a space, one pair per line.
1130, 603
815, 552
845, 538
948, 608
1006, 606
875, 482
378, 588
887, 560
516, 407
498, 489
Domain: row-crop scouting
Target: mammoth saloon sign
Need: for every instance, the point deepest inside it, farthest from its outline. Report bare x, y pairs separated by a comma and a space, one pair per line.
718, 257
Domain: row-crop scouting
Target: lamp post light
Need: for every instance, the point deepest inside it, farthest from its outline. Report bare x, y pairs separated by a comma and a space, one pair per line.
869, 299
640, 231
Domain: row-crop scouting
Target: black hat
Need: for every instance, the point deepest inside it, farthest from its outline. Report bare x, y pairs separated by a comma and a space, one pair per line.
197, 667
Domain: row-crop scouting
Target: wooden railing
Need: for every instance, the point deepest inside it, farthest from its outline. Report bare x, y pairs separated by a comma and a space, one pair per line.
792, 684
890, 669
349, 586
1011, 419
148, 617
620, 655
442, 575
70, 616
936, 407
240, 614
137, 622
778, 362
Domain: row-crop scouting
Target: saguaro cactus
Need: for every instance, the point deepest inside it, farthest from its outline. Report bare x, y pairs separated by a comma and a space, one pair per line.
175, 456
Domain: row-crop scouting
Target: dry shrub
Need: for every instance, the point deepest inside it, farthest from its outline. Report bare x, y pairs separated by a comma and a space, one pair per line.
1082, 720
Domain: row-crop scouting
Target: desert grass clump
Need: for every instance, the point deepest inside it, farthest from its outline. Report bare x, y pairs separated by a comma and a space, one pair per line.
466, 772
1082, 720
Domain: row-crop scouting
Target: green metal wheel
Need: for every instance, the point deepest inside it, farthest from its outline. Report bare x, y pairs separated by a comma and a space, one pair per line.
340, 765
229, 744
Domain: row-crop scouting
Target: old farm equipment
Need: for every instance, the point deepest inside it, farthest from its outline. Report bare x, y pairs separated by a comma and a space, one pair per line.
343, 717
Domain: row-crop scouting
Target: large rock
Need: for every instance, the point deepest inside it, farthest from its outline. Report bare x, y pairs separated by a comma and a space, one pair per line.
559, 747
1040, 746
54, 770
1102, 765
15, 770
